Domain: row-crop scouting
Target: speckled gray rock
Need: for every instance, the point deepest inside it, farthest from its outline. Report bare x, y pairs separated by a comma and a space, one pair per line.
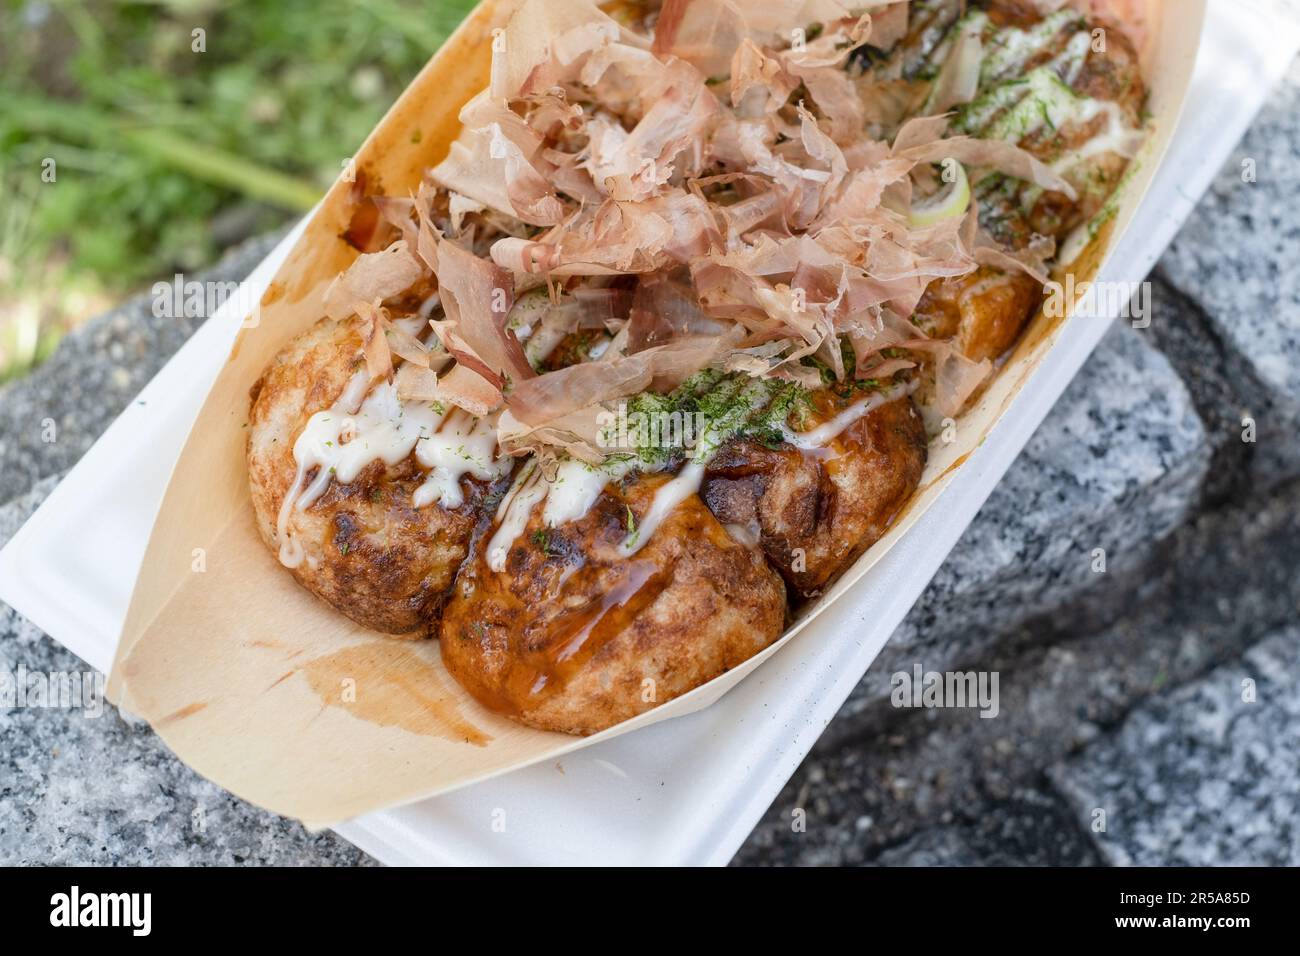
1030, 829
918, 784
21, 508
1117, 465
89, 379
1187, 338
81, 785
1206, 775
1239, 258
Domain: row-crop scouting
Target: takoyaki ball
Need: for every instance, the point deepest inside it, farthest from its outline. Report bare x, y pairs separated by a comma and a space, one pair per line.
1110, 71
928, 23
361, 546
1112, 75
983, 311
815, 511
575, 635
986, 310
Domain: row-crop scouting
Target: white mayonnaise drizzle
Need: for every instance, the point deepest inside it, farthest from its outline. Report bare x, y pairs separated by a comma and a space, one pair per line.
568, 497
1044, 99
572, 493
576, 487
529, 487
824, 434
1069, 62
687, 482
1117, 137
1011, 48
667, 497
360, 428
323, 445
539, 344
462, 445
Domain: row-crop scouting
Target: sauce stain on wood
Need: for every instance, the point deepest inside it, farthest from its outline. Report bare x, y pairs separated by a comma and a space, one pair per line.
957, 463
282, 678
189, 710
394, 687
274, 292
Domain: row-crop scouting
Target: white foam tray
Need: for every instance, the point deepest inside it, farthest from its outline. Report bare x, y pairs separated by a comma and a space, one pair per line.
685, 791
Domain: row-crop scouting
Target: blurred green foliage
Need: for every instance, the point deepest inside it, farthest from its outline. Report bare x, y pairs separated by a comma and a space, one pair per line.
169, 144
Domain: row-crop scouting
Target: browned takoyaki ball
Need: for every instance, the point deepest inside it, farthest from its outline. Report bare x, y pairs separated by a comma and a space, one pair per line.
367, 551
575, 636
1111, 73
815, 511
983, 312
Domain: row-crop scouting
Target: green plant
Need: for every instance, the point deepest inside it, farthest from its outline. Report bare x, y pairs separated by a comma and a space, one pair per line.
139, 138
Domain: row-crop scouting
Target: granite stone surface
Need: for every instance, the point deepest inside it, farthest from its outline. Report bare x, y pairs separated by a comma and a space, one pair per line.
1186, 337
1030, 828
1239, 258
1204, 776
1215, 588
81, 785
